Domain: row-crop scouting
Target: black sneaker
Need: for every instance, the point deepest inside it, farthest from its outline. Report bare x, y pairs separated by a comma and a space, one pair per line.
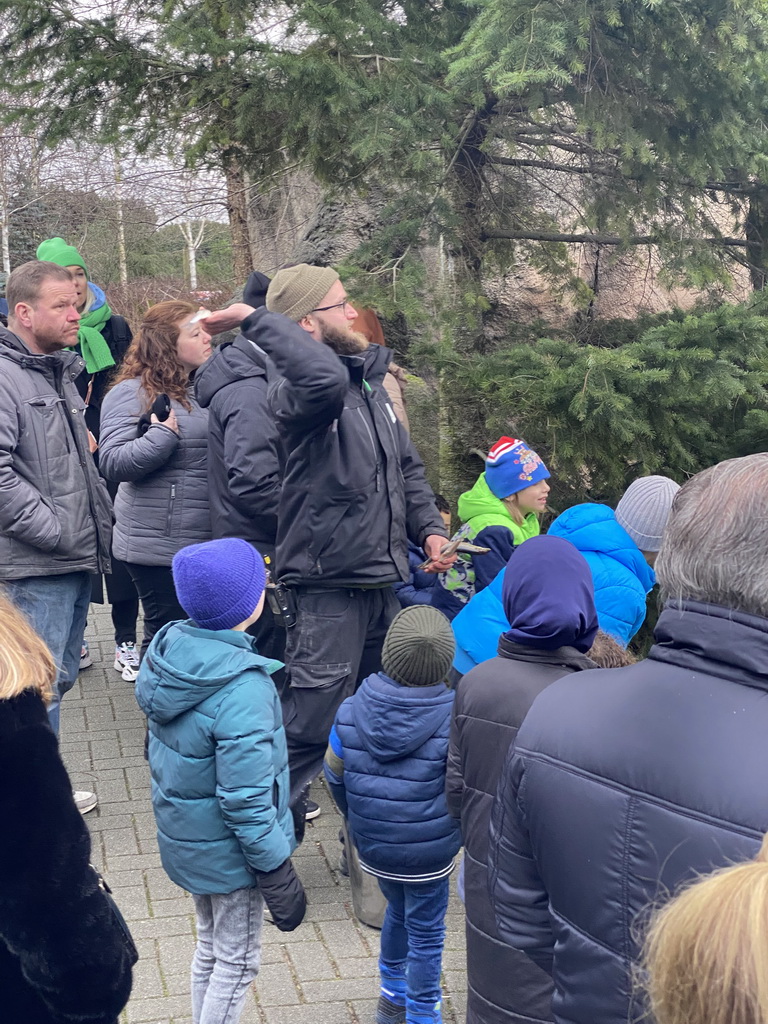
313, 810
388, 1012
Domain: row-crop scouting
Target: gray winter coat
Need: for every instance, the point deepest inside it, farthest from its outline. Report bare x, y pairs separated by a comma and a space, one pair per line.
55, 513
162, 500
504, 986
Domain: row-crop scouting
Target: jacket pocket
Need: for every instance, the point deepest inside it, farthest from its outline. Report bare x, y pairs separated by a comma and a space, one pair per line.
47, 419
323, 524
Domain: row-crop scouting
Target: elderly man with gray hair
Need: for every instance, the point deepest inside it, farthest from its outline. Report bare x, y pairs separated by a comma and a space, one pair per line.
626, 783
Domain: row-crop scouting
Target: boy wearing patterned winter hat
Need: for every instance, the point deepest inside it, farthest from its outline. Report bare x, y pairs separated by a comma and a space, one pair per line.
499, 512
219, 764
386, 768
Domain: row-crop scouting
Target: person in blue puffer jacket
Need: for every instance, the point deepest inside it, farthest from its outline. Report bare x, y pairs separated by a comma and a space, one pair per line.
219, 764
386, 767
620, 548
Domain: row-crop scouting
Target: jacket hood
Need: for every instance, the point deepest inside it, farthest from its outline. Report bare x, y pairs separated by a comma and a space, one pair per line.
232, 361
479, 500
177, 675
99, 298
12, 346
593, 528
393, 721
548, 596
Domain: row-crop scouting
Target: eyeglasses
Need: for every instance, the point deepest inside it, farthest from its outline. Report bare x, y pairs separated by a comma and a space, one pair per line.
337, 305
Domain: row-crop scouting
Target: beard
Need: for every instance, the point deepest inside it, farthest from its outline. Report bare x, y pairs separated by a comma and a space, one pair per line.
344, 341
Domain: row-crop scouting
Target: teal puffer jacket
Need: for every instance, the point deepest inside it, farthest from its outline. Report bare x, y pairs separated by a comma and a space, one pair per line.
218, 758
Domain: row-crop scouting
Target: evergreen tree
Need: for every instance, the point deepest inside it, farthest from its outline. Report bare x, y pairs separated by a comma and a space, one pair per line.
491, 125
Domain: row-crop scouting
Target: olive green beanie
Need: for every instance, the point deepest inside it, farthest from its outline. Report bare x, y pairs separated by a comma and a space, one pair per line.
56, 250
296, 291
419, 647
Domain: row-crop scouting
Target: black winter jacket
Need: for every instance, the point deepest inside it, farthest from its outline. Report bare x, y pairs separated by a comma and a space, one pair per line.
243, 463
354, 488
504, 986
117, 335
622, 786
62, 958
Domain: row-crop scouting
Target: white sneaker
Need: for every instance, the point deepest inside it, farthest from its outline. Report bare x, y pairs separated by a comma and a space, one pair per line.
85, 656
85, 801
127, 661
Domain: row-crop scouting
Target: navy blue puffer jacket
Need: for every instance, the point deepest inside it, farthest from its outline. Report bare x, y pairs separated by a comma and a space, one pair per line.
623, 785
393, 742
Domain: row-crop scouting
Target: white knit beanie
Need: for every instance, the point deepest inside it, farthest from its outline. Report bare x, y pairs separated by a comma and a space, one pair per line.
644, 509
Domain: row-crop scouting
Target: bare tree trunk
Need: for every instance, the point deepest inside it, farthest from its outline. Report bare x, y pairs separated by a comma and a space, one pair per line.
4, 239
122, 254
192, 242
237, 208
757, 241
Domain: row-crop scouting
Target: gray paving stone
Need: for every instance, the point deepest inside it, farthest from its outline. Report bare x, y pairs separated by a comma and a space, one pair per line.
276, 986
320, 1013
311, 962
341, 989
342, 938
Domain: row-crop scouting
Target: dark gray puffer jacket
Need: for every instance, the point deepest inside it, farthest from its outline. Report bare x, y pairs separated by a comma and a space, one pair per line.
55, 513
162, 500
354, 488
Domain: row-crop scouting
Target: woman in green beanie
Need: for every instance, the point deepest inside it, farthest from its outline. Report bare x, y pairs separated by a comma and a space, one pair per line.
102, 341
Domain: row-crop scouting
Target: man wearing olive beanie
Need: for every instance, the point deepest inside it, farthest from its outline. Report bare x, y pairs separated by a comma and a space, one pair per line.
386, 767
353, 493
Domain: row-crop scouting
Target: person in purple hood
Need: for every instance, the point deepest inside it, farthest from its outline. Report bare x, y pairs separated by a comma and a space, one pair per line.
548, 599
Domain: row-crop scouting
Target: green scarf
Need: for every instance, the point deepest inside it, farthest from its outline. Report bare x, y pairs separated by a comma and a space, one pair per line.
93, 347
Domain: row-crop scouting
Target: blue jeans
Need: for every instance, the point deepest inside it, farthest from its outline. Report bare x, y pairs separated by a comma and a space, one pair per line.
57, 607
412, 940
228, 954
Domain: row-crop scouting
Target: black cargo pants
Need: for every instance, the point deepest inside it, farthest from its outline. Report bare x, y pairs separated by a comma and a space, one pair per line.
335, 643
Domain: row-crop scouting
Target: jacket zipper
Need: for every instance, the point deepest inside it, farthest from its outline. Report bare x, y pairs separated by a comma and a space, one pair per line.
373, 448
170, 508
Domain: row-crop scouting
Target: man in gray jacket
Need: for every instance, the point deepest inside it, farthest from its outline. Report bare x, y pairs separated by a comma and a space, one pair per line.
55, 516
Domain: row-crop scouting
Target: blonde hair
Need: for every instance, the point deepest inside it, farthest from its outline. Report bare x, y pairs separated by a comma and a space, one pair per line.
606, 652
706, 953
25, 661
512, 505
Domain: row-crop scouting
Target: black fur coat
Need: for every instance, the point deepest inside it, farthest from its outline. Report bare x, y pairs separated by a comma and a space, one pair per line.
62, 960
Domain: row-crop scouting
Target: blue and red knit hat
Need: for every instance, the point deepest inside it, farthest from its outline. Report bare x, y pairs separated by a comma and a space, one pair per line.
511, 466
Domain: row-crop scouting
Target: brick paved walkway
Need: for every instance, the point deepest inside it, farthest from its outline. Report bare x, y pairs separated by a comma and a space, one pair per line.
323, 973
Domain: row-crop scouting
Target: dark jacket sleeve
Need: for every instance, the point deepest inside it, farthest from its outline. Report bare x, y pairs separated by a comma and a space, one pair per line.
53, 916
250, 451
454, 775
520, 901
502, 543
124, 456
310, 394
421, 516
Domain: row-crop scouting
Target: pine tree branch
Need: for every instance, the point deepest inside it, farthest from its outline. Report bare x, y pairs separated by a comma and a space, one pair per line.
489, 234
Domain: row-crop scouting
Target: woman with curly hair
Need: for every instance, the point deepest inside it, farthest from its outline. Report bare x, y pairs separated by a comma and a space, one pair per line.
63, 956
160, 463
